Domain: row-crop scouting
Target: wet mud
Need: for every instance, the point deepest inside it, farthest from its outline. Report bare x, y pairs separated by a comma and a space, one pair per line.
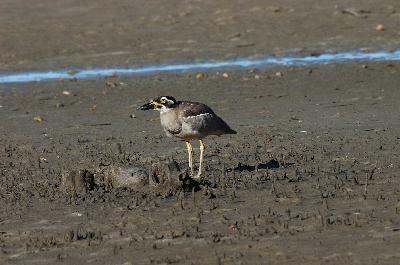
310, 178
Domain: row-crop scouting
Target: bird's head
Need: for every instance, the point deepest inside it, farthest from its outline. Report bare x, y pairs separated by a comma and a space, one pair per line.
161, 103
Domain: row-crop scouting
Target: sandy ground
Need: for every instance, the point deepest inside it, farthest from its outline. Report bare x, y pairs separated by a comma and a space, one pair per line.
310, 178
70, 33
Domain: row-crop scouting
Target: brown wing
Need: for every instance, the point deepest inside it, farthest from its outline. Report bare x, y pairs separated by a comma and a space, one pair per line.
213, 124
194, 108
202, 119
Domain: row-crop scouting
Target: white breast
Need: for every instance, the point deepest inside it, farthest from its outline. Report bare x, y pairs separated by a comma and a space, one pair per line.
169, 121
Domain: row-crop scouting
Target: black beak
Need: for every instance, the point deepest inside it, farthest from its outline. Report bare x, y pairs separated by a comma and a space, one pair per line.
147, 106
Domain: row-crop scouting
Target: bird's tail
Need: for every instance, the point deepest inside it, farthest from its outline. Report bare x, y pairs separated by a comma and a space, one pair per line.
230, 131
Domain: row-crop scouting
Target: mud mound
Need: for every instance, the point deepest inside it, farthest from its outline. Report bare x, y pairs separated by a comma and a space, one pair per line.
130, 177
163, 179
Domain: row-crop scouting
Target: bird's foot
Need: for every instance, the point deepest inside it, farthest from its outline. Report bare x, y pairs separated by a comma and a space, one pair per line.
197, 176
190, 172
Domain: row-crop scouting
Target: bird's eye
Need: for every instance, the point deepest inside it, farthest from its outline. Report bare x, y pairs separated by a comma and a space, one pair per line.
162, 100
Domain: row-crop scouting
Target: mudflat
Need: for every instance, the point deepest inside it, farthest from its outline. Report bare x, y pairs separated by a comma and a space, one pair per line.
310, 178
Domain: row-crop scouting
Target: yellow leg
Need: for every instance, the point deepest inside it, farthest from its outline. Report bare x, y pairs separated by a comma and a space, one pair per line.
190, 154
201, 158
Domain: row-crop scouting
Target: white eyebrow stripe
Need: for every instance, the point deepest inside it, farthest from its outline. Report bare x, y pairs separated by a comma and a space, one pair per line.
167, 100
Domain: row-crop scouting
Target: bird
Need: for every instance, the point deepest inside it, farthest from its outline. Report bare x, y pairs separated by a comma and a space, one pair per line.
188, 121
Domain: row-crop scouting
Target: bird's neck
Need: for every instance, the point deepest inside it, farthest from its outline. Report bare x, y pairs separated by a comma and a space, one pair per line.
164, 110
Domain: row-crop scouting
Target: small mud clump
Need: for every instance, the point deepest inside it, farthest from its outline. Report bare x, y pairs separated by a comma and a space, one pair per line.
168, 179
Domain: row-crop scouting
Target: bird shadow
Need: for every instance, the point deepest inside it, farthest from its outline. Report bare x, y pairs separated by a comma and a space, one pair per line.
272, 164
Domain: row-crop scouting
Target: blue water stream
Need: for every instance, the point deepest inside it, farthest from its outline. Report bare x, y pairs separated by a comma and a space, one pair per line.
240, 63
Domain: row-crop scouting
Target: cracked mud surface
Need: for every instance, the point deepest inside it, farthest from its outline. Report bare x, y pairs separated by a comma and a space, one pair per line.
310, 178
